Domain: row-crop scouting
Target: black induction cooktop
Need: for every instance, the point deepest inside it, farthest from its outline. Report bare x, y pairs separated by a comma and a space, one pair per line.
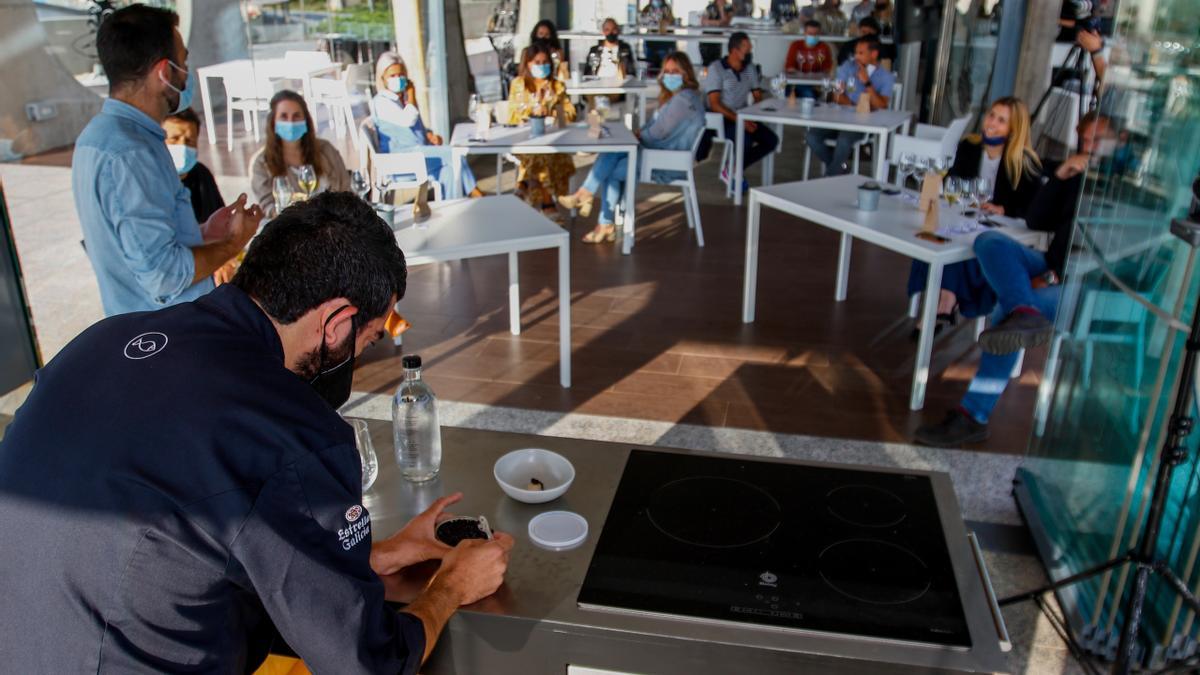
791, 546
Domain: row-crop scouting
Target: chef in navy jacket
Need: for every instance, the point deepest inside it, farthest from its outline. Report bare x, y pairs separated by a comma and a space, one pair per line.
178, 492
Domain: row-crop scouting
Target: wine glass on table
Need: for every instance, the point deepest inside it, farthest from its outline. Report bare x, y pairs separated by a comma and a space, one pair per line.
306, 178
383, 184
360, 184
826, 88
952, 189
594, 63
281, 189
907, 161
981, 190
839, 87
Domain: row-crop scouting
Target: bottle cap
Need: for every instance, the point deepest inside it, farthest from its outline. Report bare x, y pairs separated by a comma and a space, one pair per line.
412, 361
558, 530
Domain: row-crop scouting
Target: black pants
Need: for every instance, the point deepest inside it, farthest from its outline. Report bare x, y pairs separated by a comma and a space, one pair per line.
759, 143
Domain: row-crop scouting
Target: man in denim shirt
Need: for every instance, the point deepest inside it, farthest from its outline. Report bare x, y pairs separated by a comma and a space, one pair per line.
868, 79
139, 229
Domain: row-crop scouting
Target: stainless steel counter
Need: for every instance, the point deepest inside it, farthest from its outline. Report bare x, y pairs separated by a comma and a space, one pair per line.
533, 625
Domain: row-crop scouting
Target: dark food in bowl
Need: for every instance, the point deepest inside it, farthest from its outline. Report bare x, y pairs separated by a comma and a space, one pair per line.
535, 484
452, 531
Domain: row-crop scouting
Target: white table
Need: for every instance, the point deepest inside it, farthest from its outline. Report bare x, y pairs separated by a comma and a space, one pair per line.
473, 228
830, 202
778, 112
574, 138
630, 86
271, 69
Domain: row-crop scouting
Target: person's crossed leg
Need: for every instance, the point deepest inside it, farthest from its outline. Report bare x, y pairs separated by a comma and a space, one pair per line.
834, 158
1023, 318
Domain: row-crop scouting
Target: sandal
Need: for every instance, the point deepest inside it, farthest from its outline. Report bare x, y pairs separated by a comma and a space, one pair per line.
602, 234
582, 205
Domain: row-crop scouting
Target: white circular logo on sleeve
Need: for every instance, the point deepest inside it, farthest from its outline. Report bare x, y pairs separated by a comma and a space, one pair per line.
145, 345
353, 513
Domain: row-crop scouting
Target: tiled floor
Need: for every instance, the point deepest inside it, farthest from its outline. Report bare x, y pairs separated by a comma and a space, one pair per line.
656, 335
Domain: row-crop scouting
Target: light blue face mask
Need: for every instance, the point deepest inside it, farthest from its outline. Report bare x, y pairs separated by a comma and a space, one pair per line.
811, 40
184, 157
540, 70
185, 94
672, 81
397, 84
291, 131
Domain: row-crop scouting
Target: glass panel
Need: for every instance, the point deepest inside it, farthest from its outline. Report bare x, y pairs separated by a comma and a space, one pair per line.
1130, 286
972, 54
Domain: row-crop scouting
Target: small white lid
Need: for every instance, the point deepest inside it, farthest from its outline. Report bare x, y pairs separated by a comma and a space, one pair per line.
558, 530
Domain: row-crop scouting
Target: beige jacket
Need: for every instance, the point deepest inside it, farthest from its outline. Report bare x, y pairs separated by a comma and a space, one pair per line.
335, 177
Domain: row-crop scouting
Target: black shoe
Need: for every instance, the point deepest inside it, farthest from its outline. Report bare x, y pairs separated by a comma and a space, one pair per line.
1019, 330
943, 321
957, 429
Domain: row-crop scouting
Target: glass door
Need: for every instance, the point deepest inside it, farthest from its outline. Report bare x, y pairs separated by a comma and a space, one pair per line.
1128, 298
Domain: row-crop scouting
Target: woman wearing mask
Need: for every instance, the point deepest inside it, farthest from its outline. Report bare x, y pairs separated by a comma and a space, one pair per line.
657, 15
545, 32
398, 123
292, 142
1003, 155
675, 125
541, 177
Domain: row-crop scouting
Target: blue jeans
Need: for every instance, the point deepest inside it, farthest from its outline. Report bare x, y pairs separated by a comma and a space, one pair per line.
837, 157
444, 175
606, 180
1009, 266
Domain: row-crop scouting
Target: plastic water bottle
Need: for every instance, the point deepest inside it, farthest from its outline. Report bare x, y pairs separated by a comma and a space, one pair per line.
415, 425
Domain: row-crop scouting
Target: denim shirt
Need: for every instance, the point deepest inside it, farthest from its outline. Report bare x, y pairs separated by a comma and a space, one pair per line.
137, 218
675, 127
882, 80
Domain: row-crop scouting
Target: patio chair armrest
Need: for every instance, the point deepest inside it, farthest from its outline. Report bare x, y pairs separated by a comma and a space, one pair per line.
665, 160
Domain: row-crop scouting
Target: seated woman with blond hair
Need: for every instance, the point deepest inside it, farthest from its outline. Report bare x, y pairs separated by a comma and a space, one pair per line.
540, 178
400, 129
1002, 155
292, 142
675, 126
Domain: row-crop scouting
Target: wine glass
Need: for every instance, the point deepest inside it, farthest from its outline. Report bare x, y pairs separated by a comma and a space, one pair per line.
594, 63
360, 184
839, 87
907, 161
981, 190
383, 183
306, 178
920, 169
940, 166
281, 189
851, 86
366, 452
826, 88
952, 188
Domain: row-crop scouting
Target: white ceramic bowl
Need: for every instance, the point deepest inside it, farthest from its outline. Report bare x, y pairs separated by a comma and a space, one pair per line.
514, 470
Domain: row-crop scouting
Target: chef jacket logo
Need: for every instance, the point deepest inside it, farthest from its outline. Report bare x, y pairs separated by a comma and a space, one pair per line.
358, 529
768, 579
145, 345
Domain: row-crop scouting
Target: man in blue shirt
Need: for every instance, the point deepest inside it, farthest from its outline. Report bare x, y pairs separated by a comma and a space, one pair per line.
139, 229
868, 79
179, 494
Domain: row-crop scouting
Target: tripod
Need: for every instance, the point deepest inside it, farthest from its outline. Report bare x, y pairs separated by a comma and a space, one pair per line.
1143, 555
1074, 68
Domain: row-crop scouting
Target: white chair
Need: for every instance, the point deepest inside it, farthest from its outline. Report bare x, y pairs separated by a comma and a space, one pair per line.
377, 163
334, 94
930, 141
407, 170
678, 160
894, 103
249, 92
716, 122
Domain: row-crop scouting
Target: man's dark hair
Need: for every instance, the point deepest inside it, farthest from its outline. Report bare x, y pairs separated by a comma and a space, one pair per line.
872, 43
869, 22
131, 40
737, 39
331, 246
186, 115
812, 23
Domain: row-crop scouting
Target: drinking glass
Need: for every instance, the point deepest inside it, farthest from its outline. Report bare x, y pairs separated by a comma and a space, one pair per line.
981, 190
839, 87
360, 184
594, 63
952, 188
826, 88
383, 183
907, 161
306, 178
281, 189
366, 452
940, 166
851, 85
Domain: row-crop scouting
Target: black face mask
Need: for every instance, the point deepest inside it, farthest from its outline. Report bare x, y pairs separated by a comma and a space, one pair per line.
611, 37
333, 383
748, 58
